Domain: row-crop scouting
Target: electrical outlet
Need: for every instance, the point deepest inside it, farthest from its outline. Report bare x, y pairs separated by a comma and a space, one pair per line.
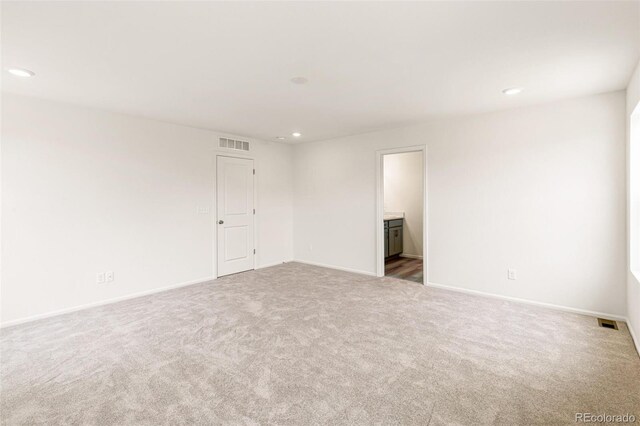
108, 276
100, 277
310, 247
511, 274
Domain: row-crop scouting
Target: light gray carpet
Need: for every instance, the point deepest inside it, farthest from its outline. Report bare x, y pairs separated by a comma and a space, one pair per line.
296, 344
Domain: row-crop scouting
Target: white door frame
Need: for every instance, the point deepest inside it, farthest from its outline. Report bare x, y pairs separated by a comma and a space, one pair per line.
220, 153
380, 207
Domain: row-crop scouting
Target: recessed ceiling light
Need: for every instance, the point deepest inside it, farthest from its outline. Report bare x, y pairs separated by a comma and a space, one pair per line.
280, 138
21, 72
296, 134
299, 80
512, 91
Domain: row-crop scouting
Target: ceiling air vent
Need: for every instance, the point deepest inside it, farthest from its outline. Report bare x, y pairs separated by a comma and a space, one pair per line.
234, 144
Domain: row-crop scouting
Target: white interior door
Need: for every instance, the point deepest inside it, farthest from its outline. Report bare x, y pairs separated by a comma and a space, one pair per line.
234, 215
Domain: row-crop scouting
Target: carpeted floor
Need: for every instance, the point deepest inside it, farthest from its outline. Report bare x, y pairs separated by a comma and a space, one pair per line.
297, 344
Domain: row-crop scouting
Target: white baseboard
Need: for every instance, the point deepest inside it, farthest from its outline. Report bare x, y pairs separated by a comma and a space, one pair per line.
411, 256
492, 295
634, 337
269, 265
102, 302
530, 302
339, 268
114, 300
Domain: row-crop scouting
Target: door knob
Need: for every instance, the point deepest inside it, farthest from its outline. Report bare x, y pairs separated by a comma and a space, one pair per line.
220, 222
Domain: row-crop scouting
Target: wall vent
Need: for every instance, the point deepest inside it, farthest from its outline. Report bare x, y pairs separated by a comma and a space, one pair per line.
234, 144
607, 323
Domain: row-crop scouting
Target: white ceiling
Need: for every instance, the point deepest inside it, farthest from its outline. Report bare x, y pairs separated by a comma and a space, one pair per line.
227, 66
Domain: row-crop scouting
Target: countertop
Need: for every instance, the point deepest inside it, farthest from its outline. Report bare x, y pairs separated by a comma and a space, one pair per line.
393, 216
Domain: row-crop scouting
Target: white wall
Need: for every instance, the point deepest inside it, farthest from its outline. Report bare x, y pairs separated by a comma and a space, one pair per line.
403, 193
538, 189
633, 282
85, 191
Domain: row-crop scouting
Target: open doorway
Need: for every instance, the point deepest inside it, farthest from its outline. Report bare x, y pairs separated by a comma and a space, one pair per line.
402, 214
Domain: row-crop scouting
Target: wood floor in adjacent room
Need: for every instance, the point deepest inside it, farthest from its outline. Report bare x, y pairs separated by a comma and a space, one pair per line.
404, 268
299, 344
